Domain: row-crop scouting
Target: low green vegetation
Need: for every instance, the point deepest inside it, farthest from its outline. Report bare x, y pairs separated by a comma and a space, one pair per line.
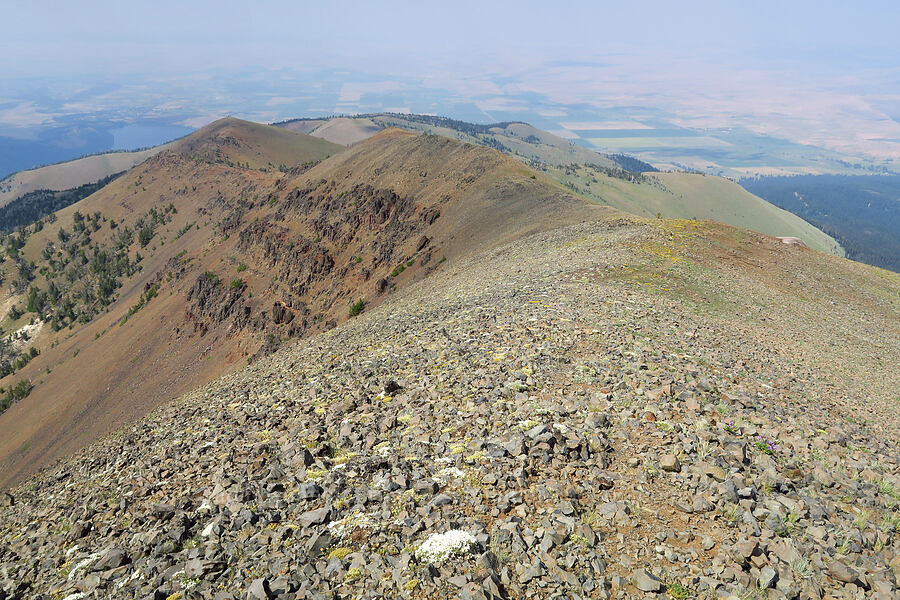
34, 206
15, 393
185, 229
357, 307
78, 272
8, 367
146, 297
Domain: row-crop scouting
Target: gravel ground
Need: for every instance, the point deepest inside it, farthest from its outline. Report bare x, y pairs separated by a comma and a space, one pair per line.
614, 409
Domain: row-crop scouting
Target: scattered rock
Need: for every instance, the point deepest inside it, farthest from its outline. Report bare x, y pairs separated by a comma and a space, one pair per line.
646, 582
670, 463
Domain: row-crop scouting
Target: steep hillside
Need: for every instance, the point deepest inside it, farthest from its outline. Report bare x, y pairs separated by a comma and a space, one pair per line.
194, 263
71, 174
623, 407
521, 140
34, 206
611, 180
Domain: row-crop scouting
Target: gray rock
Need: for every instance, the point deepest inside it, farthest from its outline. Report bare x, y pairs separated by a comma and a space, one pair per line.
112, 558
309, 491
538, 431
767, 577
702, 505
646, 582
670, 463
442, 500
842, 572
315, 517
162, 511
744, 549
198, 568
317, 543
259, 590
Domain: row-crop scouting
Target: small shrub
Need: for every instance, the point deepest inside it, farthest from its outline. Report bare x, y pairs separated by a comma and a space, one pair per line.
678, 592
357, 307
241, 268
145, 235
17, 392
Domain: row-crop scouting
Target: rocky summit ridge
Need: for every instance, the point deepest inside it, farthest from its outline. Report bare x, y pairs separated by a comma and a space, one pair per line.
616, 408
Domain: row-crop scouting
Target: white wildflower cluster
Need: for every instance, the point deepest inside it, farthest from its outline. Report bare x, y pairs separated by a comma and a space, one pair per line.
561, 428
443, 460
71, 551
76, 596
441, 546
84, 564
449, 473
356, 520
126, 580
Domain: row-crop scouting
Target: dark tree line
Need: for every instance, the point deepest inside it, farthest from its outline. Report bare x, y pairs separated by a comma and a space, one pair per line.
30, 207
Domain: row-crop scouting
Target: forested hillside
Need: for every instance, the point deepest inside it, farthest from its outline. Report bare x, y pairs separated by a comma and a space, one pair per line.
861, 212
37, 204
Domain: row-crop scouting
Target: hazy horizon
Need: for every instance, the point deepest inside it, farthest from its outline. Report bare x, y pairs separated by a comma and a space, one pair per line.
819, 74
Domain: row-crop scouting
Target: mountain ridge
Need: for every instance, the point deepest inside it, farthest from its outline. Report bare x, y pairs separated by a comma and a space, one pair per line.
605, 179
238, 259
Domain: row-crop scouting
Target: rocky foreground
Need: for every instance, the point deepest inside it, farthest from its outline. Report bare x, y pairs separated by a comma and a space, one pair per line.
528, 424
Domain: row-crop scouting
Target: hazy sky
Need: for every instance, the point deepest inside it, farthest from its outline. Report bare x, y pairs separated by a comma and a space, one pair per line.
93, 37
816, 72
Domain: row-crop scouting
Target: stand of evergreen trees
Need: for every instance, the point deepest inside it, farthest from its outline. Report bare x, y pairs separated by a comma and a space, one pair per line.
30, 207
862, 212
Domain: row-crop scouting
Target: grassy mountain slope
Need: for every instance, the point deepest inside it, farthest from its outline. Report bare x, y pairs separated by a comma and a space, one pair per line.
71, 174
212, 263
694, 196
521, 140
231, 141
609, 407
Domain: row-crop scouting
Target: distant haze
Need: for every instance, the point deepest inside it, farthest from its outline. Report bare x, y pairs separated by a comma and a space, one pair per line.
465, 37
819, 74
